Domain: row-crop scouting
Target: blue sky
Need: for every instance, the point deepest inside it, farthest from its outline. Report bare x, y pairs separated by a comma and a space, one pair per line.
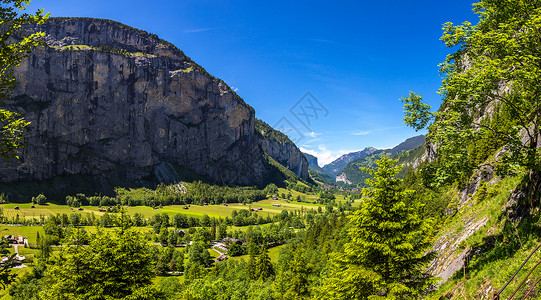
354, 58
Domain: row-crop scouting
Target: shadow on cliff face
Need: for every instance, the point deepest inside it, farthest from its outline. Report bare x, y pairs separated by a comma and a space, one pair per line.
57, 188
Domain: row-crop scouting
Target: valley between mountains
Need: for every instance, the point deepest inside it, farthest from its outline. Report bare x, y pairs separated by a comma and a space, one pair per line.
127, 171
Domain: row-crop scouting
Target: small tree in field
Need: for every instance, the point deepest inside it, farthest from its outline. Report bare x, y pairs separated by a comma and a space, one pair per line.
388, 243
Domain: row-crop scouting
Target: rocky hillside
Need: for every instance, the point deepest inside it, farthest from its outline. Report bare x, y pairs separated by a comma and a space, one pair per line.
282, 149
316, 172
112, 101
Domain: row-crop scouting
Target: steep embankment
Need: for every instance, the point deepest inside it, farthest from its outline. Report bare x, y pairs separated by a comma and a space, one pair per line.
316, 172
114, 102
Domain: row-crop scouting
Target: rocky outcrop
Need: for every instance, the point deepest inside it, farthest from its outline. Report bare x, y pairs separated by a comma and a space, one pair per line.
278, 146
105, 98
343, 178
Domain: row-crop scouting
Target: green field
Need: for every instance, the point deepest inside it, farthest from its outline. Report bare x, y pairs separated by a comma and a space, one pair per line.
25, 210
273, 254
308, 197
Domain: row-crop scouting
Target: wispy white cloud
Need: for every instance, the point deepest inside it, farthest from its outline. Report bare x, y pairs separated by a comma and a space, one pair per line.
324, 155
362, 132
196, 30
367, 132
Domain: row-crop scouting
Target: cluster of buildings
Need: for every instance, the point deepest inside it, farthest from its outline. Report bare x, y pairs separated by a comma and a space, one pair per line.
20, 240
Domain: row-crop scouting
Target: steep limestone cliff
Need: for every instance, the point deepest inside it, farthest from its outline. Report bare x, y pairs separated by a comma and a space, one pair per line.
105, 98
282, 149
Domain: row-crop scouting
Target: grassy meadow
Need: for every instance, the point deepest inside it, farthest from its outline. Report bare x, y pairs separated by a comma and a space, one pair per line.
26, 211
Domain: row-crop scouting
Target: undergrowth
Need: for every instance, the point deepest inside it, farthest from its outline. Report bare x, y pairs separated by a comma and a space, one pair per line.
497, 249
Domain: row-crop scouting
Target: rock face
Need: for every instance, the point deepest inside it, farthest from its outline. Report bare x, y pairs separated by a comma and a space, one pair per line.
282, 149
312, 160
105, 98
342, 177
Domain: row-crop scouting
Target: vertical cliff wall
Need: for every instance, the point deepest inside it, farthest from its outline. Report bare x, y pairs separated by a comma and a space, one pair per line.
105, 98
282, 149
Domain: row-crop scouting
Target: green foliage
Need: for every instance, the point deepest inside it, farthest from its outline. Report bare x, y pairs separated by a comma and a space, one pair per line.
388, 243
496, 66
267, 131
354, 169
196, 193
113, 265
12, 52
264, 268
417, 113
29, 285
280, 173
6, 276
39, 199
197, 255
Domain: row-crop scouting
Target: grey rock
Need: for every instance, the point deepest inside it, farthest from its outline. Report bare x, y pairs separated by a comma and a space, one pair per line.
105, 98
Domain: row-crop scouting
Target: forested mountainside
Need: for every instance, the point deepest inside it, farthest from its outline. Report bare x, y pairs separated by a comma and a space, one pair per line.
337, 165
111, 101
408, 152
282, 149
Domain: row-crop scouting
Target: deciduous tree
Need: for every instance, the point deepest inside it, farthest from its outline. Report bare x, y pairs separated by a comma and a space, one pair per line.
492, 95
14, 47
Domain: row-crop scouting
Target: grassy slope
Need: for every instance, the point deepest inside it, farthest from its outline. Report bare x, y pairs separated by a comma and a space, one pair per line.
500, 246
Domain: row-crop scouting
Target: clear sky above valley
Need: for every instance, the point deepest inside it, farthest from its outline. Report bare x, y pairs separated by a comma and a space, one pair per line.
356, 58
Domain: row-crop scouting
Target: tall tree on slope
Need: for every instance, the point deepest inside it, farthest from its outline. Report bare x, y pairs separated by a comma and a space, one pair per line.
492, 95
388, 243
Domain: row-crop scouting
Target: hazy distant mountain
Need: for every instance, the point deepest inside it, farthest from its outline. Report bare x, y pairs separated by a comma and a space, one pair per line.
338, 165
352, 172
316, 171
408, 144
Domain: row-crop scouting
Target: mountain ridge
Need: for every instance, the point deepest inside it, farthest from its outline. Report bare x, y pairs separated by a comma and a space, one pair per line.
111, 101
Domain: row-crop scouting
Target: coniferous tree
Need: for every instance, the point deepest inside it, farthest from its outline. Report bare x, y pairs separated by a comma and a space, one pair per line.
264, 268
388, 243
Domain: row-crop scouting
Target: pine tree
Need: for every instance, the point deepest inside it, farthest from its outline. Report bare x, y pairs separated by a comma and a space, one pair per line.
388, 243
298, 277
264, 268
112, 266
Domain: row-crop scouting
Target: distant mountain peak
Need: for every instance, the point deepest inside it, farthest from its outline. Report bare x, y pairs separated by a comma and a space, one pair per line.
338, 165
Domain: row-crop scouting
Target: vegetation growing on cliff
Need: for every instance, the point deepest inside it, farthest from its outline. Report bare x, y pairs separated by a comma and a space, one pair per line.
496, 69
485, 142
267, 131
